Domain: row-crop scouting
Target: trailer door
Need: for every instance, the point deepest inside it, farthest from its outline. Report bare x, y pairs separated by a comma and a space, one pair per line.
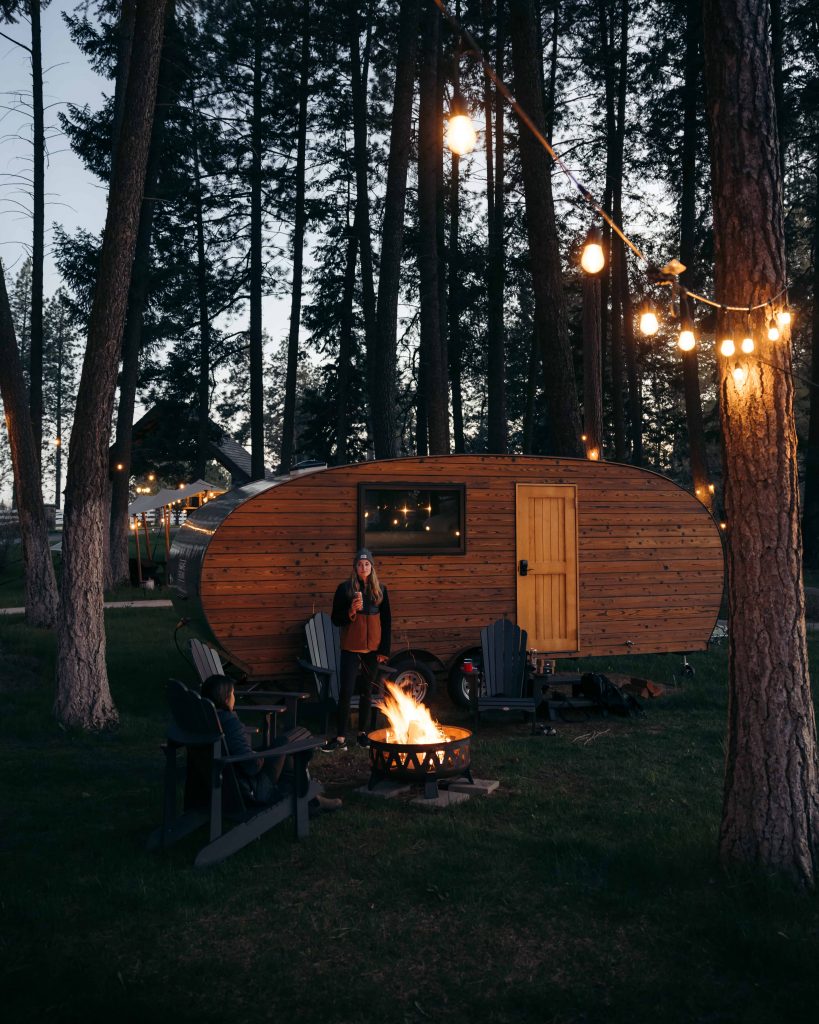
547, 589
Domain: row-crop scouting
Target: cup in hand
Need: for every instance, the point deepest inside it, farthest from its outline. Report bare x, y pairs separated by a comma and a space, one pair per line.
358, 601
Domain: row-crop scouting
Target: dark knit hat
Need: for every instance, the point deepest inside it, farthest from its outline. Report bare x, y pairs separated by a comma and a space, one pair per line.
364, 553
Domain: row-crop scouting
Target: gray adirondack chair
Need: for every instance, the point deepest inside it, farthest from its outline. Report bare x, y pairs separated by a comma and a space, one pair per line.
208, 663
324, 651
213, 796
505, 682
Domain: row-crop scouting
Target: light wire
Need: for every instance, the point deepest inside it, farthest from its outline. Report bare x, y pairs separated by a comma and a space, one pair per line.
503, 89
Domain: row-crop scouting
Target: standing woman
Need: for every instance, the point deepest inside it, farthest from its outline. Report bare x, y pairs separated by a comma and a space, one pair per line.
361, 610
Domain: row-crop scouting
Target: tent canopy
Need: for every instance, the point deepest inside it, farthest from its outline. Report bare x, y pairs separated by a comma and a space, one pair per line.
148, 502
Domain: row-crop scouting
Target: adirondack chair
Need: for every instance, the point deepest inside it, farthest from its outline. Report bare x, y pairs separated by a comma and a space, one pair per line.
504, 671
325, 660
208, 663
213, 795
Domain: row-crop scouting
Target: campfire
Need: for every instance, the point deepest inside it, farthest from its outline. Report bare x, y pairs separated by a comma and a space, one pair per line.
414, 747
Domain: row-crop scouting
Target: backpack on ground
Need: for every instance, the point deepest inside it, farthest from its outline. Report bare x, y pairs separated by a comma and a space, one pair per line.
600, 689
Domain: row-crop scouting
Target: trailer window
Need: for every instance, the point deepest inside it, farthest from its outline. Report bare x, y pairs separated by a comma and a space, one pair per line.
404, 519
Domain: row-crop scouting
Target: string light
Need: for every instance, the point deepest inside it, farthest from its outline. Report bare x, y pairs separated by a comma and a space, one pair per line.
773, 331
592, 259
740, 375
687, 341
783, 318
747, 345
460, 134
672, 269
649, 323
727, 347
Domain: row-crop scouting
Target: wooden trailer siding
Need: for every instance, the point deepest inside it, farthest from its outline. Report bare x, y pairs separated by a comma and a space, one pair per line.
649, 557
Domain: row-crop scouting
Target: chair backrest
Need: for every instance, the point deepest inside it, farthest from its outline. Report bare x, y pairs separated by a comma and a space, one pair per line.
206, 661
504, 658
197, 726
324, 647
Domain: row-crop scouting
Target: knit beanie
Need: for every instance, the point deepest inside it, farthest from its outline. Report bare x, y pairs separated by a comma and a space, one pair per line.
364, 553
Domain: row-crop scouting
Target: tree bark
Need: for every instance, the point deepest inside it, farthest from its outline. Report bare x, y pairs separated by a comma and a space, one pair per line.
203, 304
255, 341
119, 532
362, 189
38, 239
289, 418
345, 350
559, 384
497, 438
381, 369
700, 475
83, 694
433, 370
40, 584
810, 515
770, 813
592, 369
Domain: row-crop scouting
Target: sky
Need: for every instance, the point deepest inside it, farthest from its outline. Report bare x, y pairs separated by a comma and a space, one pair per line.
74, 197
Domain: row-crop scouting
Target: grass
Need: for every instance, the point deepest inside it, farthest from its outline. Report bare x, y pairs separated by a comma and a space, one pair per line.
585, 890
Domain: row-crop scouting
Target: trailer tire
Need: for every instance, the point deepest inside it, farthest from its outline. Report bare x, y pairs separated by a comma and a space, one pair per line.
458, 683
416, 678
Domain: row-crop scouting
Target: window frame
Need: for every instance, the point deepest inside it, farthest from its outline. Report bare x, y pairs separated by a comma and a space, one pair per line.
410, 485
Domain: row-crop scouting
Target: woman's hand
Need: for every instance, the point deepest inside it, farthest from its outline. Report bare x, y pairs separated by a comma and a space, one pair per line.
381, 658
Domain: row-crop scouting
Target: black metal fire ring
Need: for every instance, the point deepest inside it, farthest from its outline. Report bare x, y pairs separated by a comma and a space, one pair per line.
422, 763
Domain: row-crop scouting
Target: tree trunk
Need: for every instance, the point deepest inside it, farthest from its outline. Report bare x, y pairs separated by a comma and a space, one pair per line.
455, 344
125, 42
550, 310
496, 342
635, 403
362, 190
700, 476
83, 695
289, 419
40, 584
345, 350
810, 515
433, 371
203, 304
38, 241
58, 441
255, 340
529, 413
119, 531
381, 371
770, 813
592, 369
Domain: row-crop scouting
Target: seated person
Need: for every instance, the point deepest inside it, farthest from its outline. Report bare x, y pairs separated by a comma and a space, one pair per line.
262, 780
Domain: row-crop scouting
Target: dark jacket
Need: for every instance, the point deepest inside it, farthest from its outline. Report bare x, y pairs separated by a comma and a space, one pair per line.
370, 629
237, 742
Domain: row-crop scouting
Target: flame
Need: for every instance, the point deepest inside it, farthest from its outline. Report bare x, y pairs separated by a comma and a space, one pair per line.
410, 722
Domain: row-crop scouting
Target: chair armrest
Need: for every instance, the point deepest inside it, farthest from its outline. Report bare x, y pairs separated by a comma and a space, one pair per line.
314, 668
297, 747
265, 709
274, 694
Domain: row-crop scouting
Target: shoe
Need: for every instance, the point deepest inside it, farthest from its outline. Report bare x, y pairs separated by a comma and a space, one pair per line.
332, 745
363, 739
328, 803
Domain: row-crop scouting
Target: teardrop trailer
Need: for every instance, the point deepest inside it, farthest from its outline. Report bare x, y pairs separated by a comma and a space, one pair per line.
591, 558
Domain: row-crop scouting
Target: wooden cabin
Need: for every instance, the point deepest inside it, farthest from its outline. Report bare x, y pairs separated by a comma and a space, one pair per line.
591, 558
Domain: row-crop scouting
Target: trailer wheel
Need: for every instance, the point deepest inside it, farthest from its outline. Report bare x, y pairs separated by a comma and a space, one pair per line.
415, 678
458, 683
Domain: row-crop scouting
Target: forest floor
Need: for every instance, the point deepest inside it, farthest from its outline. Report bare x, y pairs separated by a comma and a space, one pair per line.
585, 889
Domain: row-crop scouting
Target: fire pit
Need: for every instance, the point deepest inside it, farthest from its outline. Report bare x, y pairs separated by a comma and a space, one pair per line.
414, 748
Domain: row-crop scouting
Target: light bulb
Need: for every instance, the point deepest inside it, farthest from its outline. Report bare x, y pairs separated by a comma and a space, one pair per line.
592, 259
593, 454
687, 341
648, 322
460, 134
747, 345
783, 318
727, 347
740, 375
773, 332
